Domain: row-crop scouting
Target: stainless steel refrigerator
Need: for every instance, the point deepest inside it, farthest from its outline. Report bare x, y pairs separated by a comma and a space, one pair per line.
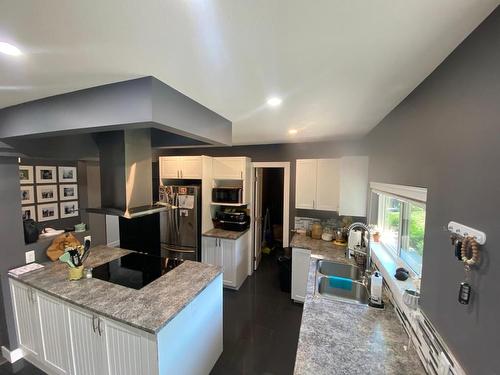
180, 227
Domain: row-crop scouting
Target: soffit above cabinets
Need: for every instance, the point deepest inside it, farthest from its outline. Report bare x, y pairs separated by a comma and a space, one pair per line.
338, 66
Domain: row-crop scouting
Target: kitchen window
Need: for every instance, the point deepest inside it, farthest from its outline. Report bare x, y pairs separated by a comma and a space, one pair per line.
400, 221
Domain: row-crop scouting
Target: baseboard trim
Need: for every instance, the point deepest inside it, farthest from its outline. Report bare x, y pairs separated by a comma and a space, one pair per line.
12, 355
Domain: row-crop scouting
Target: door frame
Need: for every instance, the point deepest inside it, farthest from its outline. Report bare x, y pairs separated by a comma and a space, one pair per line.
285, 165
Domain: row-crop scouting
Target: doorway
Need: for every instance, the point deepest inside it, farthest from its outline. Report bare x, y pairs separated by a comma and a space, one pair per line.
271, 187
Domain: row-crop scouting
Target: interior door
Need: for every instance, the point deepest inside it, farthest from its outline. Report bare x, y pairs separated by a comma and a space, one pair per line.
257, 221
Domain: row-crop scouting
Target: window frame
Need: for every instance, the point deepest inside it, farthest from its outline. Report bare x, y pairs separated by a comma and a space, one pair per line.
391, 191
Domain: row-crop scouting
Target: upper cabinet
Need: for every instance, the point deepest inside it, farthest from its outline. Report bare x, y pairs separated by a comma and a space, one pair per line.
332, 185
305, 186
353, 185
230, 168
186, 167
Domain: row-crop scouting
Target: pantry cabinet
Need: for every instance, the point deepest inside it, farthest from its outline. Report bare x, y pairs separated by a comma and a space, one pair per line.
332, 185
231, 255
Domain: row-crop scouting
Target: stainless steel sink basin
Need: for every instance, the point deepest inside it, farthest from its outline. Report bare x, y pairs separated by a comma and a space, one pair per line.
348, 288
349, 271
356, 293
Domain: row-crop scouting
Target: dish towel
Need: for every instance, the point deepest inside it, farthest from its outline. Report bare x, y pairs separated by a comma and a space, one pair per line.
340, 282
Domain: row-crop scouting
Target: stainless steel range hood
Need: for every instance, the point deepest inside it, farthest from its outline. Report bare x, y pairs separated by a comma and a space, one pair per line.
126, 174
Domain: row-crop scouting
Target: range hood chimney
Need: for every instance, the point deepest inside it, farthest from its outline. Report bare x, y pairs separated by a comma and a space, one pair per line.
126, 174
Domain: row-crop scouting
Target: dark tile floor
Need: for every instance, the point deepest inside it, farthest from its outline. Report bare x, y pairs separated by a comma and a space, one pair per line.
261, 329
261, 326
21, 367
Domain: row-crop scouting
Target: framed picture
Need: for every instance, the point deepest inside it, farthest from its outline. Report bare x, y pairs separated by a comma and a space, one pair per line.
46, 175
69, 209
27, 195
67, 174
29, 212
26, 174
47, 212
68, 192
46, 193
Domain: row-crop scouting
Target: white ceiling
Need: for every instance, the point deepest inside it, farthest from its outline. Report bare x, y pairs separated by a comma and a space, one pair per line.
340, 66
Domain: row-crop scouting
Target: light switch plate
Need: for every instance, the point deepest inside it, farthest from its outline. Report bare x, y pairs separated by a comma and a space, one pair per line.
30, 256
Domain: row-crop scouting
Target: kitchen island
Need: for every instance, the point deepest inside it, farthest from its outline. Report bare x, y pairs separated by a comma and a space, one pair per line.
91, 326
339, 337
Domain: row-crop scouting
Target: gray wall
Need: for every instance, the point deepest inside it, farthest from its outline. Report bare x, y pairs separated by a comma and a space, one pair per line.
280, 152
11, 230
11, 234
446, 136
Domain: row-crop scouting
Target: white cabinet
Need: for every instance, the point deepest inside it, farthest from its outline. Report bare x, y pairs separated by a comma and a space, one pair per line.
305, 186
25, 304
353, 185
169, 167
231, 255
328, 185
187, 167
87, 345
211, 251
230, 168
332, 185
54, 334
129, 351
301, 259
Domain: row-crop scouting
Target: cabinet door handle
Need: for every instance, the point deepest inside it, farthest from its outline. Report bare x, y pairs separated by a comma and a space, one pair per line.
241, 174
99, 326
182, 174
93, 323
314, 204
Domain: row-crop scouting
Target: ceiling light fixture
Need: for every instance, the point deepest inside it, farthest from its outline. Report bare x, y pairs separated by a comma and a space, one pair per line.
274, 101
293, 131
9, 49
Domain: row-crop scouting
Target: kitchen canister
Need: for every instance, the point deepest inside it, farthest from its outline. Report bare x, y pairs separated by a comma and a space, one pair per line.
75, 273
316, 231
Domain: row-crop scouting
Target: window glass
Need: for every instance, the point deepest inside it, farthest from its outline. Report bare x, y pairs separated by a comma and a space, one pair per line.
402, 226
391, 222
412, 244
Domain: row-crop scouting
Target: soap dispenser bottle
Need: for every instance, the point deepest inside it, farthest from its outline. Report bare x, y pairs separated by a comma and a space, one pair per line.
376, 290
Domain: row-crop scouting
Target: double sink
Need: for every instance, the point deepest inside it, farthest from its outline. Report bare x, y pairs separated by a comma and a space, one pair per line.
342, 282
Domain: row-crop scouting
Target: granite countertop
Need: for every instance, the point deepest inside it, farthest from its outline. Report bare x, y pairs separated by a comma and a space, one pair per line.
226, 234
344, 338
149, 308
321, 249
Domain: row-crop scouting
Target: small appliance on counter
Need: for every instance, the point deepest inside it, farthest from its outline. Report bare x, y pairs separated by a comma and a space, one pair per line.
232, 220
227, 195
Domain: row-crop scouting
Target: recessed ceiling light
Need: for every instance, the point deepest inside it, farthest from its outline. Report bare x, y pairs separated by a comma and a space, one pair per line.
293, 131
9, 49
274, 101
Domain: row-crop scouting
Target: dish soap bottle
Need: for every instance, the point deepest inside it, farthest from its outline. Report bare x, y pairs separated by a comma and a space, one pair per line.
376, 290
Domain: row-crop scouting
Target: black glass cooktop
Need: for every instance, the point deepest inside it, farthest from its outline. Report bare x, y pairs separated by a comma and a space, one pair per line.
135, 270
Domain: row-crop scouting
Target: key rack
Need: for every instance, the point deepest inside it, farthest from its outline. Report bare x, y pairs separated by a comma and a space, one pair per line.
465, 231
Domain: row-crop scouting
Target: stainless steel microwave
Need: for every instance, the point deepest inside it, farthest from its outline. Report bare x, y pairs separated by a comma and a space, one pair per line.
228, 195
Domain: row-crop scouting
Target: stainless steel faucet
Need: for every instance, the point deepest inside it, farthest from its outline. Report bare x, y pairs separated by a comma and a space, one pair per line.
368, 249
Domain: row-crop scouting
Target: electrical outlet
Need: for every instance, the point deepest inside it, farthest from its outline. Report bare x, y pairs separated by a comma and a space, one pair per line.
87, 238
30, 256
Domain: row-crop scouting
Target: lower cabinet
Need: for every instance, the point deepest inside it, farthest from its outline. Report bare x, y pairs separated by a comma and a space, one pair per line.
25, 304
231, 255
301, 259
63, 339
